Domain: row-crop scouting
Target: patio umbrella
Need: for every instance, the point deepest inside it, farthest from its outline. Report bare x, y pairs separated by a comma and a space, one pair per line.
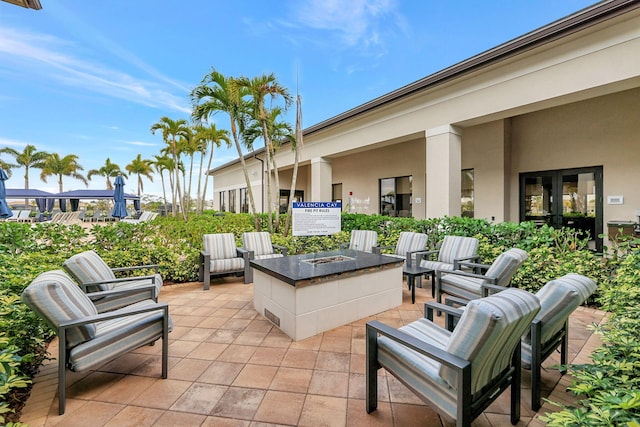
5, 212
119, 208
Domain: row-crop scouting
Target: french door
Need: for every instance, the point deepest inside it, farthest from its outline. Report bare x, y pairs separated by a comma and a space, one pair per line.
565, 198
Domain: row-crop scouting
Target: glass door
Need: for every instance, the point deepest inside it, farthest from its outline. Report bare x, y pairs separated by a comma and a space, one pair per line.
564, 198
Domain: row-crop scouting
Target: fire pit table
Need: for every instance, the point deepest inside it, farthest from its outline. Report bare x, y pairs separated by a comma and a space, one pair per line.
307, 294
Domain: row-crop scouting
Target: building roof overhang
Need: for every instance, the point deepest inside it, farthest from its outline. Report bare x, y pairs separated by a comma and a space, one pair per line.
29, 4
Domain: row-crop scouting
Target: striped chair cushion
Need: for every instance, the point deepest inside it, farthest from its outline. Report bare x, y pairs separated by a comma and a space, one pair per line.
220, 246
117, 336
88, 267
267, 256
436, 265
421, 373
55, 298
465, 287
363, 240
488, 333
506, 265
558, 299
258, 242
226, 265
409, 242
113, 302
454, 247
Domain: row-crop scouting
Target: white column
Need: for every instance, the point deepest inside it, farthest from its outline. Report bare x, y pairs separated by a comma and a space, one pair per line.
444, 165
321, 180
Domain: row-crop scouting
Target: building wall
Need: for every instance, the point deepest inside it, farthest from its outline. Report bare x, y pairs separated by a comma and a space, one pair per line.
601, 131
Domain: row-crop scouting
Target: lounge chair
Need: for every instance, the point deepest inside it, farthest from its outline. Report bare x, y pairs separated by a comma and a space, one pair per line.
87, 336
259, 245
363, 240
94, 275
460, 373
468, 285
221, 257
409, 244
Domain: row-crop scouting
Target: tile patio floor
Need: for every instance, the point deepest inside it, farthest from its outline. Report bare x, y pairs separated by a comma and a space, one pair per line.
228, 366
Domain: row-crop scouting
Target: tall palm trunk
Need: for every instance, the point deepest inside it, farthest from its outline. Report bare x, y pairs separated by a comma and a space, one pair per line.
206, 178
298, 146
199, 204
234, 132
267, 150
164, 192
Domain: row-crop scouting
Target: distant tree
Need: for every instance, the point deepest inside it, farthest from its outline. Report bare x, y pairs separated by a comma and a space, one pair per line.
217, 93
28, 158
7, 167
258, 89
56, 166
208, 136
161, 164
172, 130
141, 167
109, 170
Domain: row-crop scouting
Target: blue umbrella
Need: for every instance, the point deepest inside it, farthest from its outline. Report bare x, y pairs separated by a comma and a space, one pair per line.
5, 212
119, 208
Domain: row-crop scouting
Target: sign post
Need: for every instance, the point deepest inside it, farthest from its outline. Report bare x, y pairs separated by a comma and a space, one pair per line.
316, 218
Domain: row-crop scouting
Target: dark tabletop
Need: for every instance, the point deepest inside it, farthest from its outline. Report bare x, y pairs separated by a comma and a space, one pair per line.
310, 267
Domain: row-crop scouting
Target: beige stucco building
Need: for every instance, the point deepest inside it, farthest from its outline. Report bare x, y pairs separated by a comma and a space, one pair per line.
545, 127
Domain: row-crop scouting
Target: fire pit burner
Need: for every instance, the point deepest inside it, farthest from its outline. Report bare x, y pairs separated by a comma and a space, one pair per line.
328, 259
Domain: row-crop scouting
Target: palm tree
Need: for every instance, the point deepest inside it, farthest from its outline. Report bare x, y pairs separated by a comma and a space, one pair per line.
258, 89
28, 158
161, 164
56, 166
140, 167
108, 170
218, 93
7, 167
171, 131
189, 145
206, 135
296, 145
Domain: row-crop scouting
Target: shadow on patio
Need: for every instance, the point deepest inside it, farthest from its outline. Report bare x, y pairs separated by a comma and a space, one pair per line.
230, 367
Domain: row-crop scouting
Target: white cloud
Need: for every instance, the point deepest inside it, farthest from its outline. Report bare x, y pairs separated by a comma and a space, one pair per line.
45, 57
141, 143
4, 142
357, 23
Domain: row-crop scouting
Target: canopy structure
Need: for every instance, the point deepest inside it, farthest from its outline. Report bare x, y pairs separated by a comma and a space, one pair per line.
74, 197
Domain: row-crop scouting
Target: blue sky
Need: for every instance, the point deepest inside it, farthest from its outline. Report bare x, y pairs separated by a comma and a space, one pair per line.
91, 77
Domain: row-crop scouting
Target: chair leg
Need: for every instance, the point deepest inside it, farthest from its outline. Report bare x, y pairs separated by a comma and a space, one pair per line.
536, 361
516, 384
62, 371
165, 343
372, 371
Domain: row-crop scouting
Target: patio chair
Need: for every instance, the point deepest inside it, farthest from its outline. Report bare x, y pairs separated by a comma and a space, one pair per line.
89, 337
221, 257
459, 373
408, 245
468, 285
363, 240
549, 330
451, 251
25, 216
94, 275
259, 243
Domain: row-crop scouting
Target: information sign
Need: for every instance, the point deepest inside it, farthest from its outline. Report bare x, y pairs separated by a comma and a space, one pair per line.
316, 218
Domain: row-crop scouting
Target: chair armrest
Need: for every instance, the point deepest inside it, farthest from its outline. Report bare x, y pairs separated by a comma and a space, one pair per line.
472, 265
420, 255
142, 292
378, 249
425, 349
244, 253
464, 261
490, 279
490, 289
447, 309
115, 314
282, 249
120, 280
155, 268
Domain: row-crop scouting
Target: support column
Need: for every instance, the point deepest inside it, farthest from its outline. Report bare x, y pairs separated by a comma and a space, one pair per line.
444, 165
321, 180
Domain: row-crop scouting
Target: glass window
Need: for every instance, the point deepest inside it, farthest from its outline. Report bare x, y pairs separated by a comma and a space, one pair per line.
467, 197
223, 205
396, 196
336, 193
244, 203
232, 201
284, 199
